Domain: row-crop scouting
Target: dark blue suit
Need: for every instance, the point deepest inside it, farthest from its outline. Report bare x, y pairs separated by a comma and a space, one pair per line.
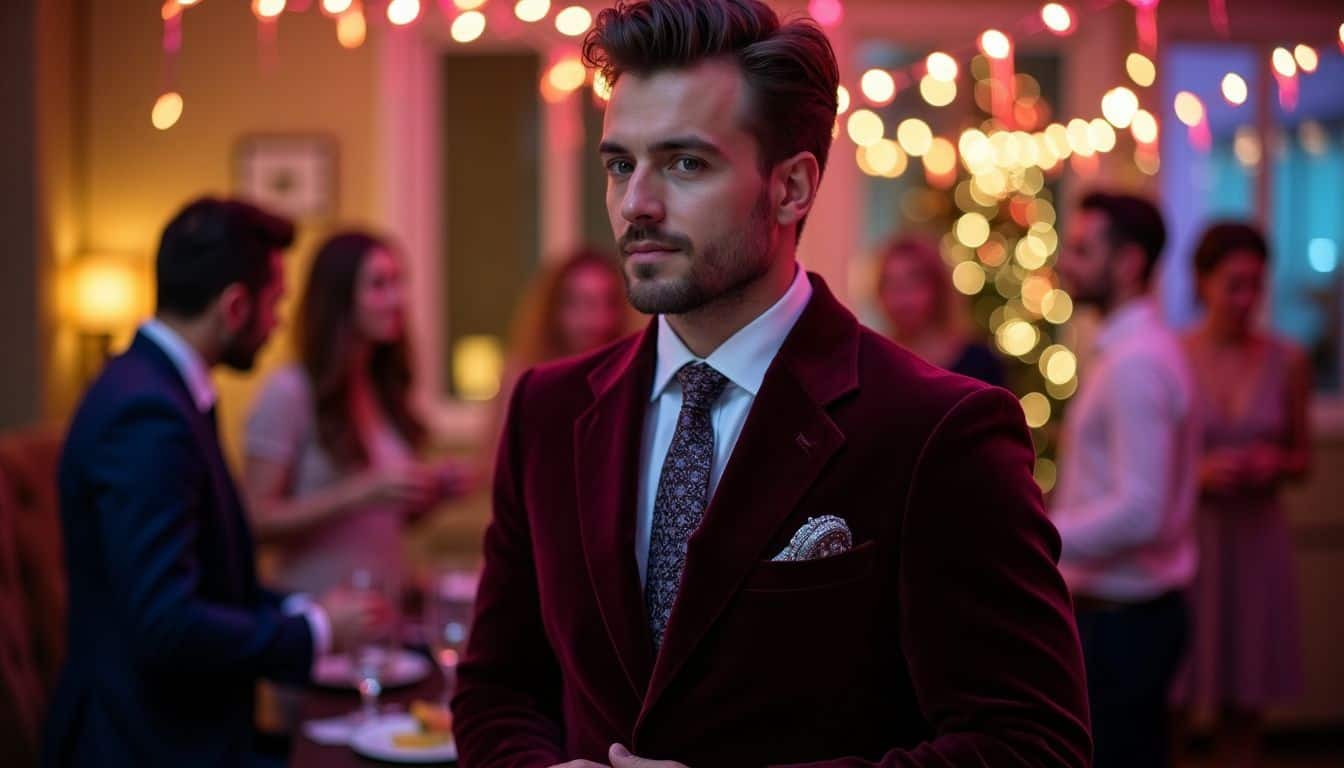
169, 629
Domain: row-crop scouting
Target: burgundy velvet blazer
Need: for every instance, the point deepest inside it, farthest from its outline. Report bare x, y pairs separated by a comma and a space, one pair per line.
945, 637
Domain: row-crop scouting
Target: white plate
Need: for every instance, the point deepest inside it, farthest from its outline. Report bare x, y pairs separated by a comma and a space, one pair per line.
407, 668
375, 740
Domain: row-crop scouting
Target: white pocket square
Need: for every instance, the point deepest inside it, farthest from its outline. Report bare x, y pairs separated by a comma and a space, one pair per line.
819, 537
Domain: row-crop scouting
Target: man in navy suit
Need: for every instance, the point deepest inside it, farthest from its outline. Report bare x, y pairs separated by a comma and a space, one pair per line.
169, 629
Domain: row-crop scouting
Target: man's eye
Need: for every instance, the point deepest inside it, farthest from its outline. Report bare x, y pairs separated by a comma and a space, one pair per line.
620, 167
688, 164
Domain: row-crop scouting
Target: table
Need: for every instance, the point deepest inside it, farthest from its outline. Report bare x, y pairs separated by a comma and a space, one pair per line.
322, 702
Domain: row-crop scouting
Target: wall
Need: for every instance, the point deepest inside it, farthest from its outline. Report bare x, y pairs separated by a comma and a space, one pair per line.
136, 177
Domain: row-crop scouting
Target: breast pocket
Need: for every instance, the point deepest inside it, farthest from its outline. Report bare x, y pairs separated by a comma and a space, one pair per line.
812, 575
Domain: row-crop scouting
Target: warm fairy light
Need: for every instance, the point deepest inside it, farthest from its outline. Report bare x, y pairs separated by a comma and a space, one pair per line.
1036, 406
878, 86
601, 86
1017, 337
468, 27
1189, 109
841, 100
1057, 18
1144, 127
351, 29
1080, 137
968, 278
1031, 252
1119, 106
977, 154
1147, 160
567, 75
532, 10
268, 9
938, 93
1057, 307
187, 3
995, 44
972, 229
1306, 58
335, 7
883, 158
1057, 136
171, 9
828, 13
403, 12
941, 159
1141, 69
573, 21
468, 5
1234, 89
865, 127
940, 66
1246, 146
1101, 135
167, 111
1284, 63
1046, 475
914, 136
1058, 364
1313, 137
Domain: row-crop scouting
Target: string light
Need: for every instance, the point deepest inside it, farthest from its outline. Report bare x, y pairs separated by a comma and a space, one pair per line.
878, 86
1234, 89
968, 278
1306, 58
1284, 63
940, 66
1017, 337
1141, 69
941, 159
937, 93
882, 158
468, 5
532, 11
1119, 106
841, 100
865, 127
333, 7
1144, 127
187, 3
167, 110
1080, 137
1189, 109
995, 44
1057, 307
1037, 409
567, 75
972, 229
573, 21
268, 9
351, 29
468, 27
914, 136
1057, 18
403, 12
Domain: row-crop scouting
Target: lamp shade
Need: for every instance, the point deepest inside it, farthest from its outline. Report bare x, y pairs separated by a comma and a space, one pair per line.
102, 293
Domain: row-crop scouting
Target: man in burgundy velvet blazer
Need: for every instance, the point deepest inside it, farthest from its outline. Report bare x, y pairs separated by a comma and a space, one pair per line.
943, 634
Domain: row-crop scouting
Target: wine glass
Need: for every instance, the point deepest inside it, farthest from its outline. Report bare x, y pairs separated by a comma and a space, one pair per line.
372, 654
448, 607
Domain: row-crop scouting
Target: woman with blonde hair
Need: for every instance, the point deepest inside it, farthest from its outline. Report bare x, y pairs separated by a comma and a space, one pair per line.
923, 310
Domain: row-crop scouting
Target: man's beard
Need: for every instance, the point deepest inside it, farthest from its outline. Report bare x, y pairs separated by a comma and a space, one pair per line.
724, 269
240, 351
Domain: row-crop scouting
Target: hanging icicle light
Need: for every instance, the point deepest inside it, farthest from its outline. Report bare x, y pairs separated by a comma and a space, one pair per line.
1058, 18
167, 111
1234, 89
532, 11
468, 27
403, 12
268, 9
573, 21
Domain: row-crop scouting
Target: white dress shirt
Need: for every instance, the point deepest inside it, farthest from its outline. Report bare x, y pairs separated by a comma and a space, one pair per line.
743, 359
193, 370
1129, 464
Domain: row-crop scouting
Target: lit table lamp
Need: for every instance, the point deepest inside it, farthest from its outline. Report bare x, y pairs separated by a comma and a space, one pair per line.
102, 296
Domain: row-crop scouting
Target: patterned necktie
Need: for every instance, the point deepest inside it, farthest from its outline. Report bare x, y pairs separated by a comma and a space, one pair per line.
683, 492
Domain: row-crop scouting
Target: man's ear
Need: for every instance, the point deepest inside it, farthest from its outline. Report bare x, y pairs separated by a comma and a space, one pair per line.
1129, 265
233, 307
794, 188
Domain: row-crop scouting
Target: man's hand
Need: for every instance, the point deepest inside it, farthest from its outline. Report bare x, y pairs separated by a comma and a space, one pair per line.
353, 616
621, 758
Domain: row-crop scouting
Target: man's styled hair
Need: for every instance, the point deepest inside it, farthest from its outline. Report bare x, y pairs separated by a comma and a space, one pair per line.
1131, 220
789, 68
211, 244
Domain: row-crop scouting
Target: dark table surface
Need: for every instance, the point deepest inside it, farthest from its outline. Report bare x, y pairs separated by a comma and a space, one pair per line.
321, 703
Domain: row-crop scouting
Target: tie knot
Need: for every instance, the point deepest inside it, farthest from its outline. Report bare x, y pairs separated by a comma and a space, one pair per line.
701, 385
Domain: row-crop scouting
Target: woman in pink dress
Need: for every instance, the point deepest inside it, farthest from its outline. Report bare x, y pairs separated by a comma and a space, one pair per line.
1245, 653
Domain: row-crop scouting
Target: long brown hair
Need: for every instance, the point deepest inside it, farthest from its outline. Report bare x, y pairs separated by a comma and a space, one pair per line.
326, 336
537, 333
948, 307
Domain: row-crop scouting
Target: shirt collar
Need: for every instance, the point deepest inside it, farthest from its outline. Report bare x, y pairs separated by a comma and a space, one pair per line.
188, 362
1129, 318
745, 357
